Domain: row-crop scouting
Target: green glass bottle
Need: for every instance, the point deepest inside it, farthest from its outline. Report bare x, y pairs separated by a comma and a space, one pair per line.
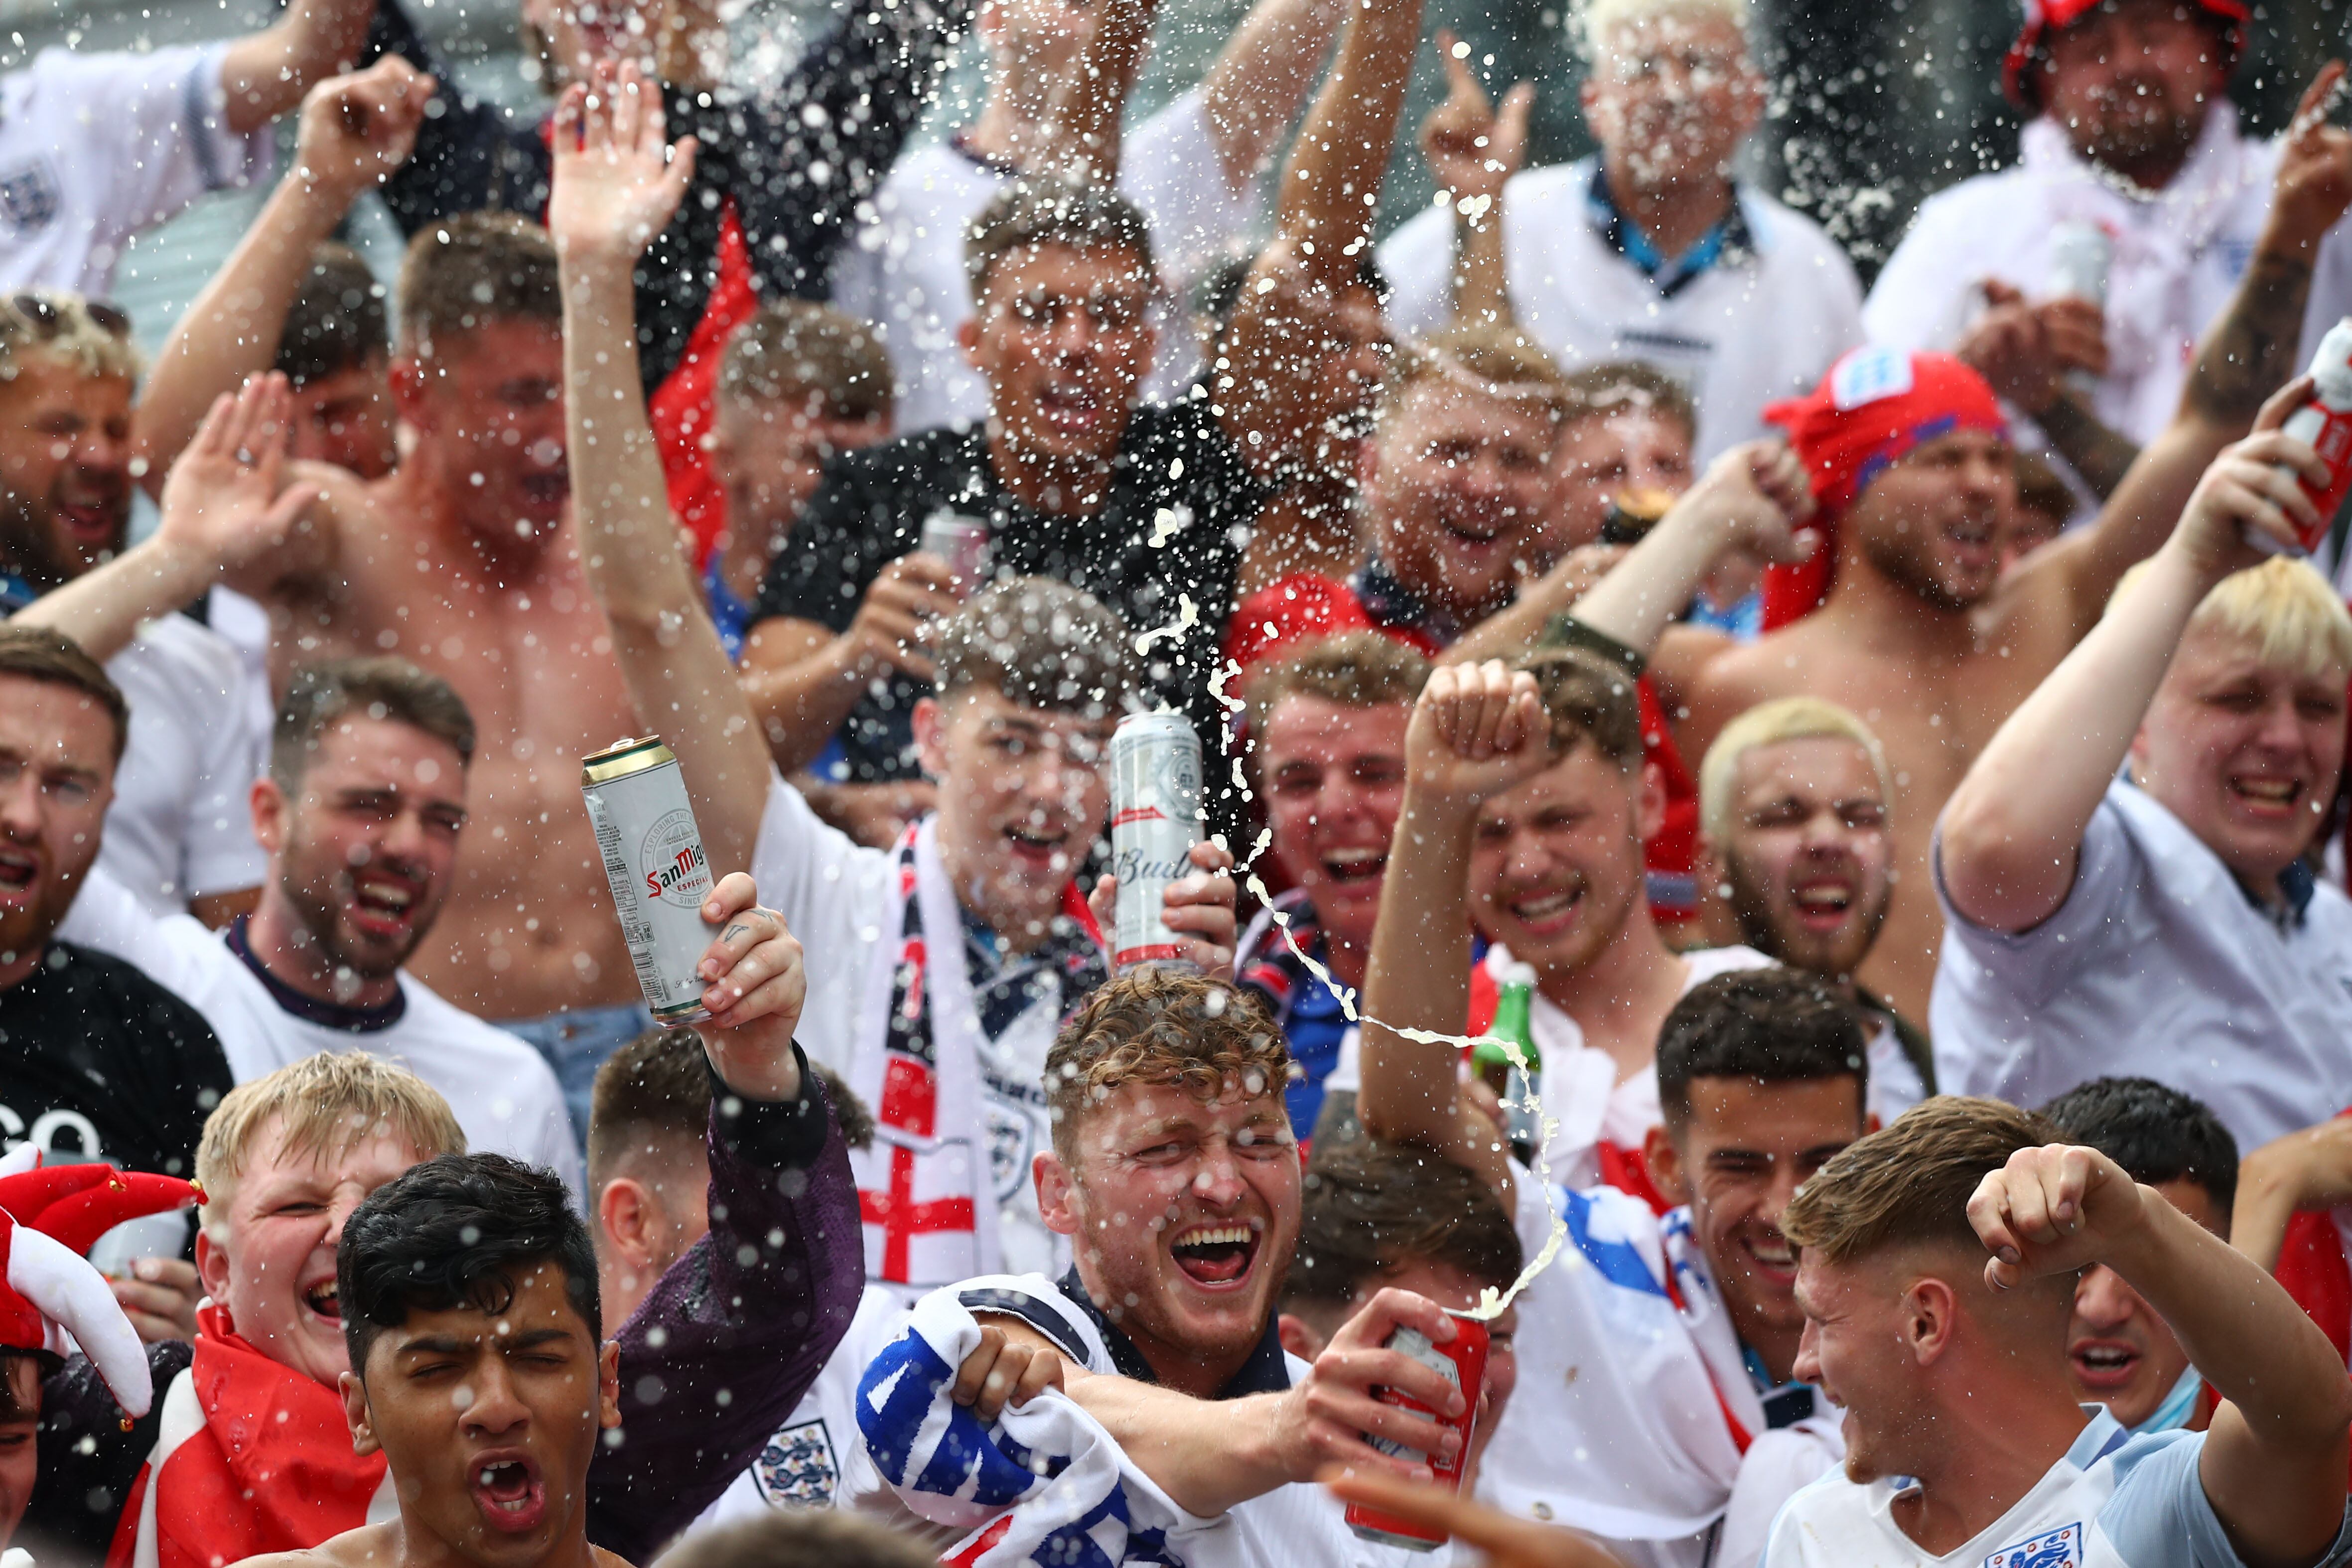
1513, 1022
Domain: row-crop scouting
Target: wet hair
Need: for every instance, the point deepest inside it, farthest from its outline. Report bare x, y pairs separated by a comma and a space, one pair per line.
1218, 296
1159, 1025
2155, 1133
338, 320
52, 658
319, 694
1369, 1207
1587, 700
794, 350
1767, 1026
472, 271
1043, 643
1495, 358
1628, 385
798, 1538
458, 1230
655, 1092
1028, 213
325, 1103
1909, 1184
1352, 669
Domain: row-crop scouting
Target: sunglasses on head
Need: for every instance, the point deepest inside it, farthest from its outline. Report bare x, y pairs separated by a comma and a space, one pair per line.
47, 318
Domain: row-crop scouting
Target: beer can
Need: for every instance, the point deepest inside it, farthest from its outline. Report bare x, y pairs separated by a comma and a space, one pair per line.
1155, 815
653, 856
962, 543
2324, 423
1462, 1361
2080, 256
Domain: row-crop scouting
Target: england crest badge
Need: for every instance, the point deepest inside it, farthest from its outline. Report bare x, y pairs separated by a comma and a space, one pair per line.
2061, 1548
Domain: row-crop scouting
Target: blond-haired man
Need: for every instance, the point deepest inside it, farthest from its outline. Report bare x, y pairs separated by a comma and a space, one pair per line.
1939, 1270
2166, 923
1799, 862
1651, 250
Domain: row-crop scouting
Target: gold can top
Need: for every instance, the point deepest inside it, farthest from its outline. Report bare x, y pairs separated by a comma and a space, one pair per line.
621, 758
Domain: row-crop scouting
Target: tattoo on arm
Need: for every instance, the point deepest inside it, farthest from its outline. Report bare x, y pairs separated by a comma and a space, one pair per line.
2098, 454
2250, 353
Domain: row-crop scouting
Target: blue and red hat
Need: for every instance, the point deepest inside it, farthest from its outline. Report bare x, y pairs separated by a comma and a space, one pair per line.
2043, 18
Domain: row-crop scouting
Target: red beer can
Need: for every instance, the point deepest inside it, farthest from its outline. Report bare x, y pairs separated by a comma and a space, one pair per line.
1462, 1361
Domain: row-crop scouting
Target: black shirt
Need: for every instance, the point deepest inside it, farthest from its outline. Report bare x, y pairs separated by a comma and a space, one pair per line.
88, 1462
870, 508
99, 1062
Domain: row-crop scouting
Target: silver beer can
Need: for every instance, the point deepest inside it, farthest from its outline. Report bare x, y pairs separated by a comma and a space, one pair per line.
653, 856
1155, 820
961, 542
2080, 256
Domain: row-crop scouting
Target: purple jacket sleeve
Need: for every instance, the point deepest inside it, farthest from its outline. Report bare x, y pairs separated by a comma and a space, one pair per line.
736, 1330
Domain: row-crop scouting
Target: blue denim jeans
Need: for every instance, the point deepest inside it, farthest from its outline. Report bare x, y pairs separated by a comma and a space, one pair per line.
575, 1043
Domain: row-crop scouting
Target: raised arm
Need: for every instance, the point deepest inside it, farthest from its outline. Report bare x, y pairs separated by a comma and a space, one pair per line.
1080, 138
617, 181
356, 131
2245, 356
265, 74
2310, 1169
1472, 153
2274, 1461
1477, 730
1260, 77
2025, 349
2013, 832
225, 506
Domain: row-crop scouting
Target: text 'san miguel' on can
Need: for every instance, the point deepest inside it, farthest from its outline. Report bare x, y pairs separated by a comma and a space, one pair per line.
1462, 1361
1155, 818
653, 856
961, 542
2324, 423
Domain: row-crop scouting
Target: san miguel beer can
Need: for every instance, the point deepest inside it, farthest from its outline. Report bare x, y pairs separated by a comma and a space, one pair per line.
653, 856
1155, 815
2324, 423
1462, 1361
962, 543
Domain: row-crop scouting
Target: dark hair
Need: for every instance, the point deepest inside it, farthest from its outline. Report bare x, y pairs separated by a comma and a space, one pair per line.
1370, 1207
1027, 213
798, 1538
1769, 1026
1352, 670
2155, 1133
457, 1231
338, 320
1043, 643
37, 653
657, 1086
393, 688
1617, 387
1587, 698
470, 271
1908, 1183
793, 348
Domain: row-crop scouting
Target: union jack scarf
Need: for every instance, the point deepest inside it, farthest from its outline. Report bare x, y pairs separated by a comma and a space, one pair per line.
925, 1189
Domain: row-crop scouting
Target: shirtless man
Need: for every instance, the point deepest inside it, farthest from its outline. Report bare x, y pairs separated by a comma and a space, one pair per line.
1920, 636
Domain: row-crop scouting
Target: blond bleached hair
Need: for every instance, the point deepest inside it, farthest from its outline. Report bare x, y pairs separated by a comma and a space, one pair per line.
2284, 609
1769, 724
1598, 21
61, 328
1909, 1184
326, 1104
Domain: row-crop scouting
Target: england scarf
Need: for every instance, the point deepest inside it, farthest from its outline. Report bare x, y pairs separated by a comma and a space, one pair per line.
924, 1189
1043, 1484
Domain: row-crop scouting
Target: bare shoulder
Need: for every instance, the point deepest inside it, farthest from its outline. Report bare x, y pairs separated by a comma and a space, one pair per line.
369, 1546
1737, 678
603, 1559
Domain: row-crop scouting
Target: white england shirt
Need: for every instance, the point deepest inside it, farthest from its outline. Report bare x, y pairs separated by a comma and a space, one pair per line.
2113, 1501
2178, 255
1738, 335
182, 822
95, 147
2156, 964
903, 268
503, 1093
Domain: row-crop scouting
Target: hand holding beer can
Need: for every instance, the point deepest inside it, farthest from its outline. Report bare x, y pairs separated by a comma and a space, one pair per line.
1155, 817
654, 858
2324, 424
962, 543
1462, 1361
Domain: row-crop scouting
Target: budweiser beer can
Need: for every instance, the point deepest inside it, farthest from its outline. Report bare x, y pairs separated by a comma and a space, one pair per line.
1462, 1361
2080, 256
653, 856
2324, 423
1155, 817
962, 543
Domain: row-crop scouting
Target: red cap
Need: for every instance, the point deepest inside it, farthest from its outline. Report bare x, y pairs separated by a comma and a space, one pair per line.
1873, 407
2044, 16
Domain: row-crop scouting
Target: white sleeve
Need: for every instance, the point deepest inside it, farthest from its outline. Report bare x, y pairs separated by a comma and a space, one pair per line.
217, 845
108, 918
1418, 260
1919, 300
829, 889
149, 131
1173, 169
2032, 964
1777, 1466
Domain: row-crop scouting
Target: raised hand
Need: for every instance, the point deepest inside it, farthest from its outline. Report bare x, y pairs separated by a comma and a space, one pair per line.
1326, 1416
2250, 492
2010, 346
1477, 731
755, 985
2053, 1210
618, 181
358, 128
2075, 330
226, 501
1471, 150
2313, 185
1199, 908
1756, 494
886, 634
